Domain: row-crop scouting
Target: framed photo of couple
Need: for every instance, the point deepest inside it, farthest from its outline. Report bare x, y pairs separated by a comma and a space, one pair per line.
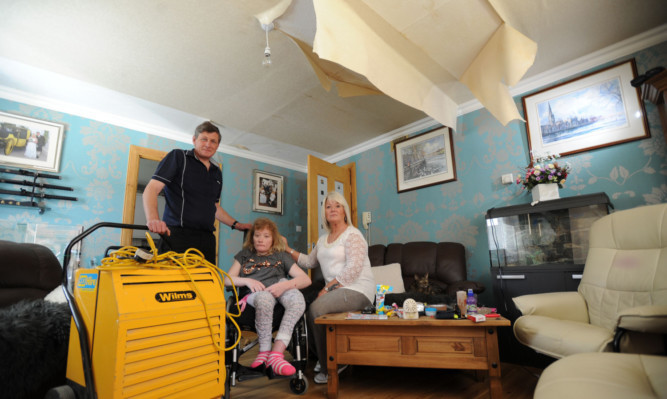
268, 192
30, 143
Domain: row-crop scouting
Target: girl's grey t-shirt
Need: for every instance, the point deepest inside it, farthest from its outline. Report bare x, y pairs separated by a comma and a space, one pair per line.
268, 269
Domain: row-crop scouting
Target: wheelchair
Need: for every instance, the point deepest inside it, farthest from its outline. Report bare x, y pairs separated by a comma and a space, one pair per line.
298, 347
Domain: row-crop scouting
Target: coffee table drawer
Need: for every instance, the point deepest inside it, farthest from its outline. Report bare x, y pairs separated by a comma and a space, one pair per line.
406, 345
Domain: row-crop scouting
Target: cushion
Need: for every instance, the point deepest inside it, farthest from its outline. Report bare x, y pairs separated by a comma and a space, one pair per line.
560, 338
389, 275
56, 296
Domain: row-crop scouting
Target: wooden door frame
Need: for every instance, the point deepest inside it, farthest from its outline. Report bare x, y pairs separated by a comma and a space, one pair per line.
131, 180
311, 187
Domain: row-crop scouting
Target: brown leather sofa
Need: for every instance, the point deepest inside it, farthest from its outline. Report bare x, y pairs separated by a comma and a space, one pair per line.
445, 263
27, 271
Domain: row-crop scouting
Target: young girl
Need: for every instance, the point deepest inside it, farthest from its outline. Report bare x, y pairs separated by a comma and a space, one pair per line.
263, 267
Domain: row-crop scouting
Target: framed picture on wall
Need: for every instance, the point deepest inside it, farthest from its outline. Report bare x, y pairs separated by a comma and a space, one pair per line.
30, 143
267, 192
425, 160
596, 110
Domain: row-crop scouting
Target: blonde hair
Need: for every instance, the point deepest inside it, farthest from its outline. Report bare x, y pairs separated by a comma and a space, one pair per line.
260, 224
335, 197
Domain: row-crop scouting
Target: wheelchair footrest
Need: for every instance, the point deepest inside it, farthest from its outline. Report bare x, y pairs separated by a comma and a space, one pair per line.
272, 375
245, 373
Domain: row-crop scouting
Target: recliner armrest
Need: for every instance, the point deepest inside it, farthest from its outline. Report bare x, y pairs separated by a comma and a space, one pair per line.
646, 319
559, 305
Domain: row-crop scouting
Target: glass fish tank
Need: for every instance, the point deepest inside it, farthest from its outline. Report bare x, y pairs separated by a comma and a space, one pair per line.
548, 233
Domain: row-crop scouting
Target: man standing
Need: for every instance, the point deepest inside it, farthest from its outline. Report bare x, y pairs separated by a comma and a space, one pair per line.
41, 140
192, 186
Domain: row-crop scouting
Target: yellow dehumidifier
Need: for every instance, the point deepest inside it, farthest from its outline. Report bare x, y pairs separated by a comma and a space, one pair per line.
149, 332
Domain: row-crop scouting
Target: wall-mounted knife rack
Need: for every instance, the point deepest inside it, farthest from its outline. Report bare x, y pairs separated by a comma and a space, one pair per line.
35, 190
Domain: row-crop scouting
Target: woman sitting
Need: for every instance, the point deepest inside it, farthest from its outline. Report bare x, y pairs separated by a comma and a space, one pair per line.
263, 267
343, 256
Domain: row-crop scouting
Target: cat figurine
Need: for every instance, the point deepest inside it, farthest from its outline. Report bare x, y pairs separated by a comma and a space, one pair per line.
422, 285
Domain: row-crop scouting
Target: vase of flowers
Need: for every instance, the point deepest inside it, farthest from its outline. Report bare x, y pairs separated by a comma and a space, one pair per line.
543, 177
545, 192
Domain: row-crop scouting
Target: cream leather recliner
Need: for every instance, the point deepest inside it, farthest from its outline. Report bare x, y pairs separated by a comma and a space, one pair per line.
621, 302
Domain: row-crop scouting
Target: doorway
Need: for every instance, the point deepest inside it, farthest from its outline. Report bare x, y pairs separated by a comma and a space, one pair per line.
324, 177
139, 164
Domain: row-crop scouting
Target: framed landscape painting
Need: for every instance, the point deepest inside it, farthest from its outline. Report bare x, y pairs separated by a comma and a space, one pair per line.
30, 143
425, 160
594, 111
267, 192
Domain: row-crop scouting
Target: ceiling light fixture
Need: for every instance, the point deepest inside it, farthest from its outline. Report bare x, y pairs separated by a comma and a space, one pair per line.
266, 61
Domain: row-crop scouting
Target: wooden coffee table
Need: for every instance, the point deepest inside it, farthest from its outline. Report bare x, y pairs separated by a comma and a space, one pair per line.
426, 342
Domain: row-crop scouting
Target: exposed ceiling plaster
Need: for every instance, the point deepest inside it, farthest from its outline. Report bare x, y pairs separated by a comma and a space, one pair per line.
172, 64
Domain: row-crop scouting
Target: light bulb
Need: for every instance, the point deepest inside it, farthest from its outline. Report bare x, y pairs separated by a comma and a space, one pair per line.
267, 57
266, 62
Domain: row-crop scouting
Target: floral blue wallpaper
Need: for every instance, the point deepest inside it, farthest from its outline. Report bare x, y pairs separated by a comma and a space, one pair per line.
632, 174
94, 163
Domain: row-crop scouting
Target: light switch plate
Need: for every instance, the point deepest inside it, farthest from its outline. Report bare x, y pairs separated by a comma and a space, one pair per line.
366, 218
508, 178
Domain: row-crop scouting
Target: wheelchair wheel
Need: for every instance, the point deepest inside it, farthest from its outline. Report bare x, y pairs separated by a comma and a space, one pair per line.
298, 386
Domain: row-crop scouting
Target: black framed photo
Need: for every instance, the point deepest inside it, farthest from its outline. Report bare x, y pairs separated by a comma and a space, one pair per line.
425, 160
268, 192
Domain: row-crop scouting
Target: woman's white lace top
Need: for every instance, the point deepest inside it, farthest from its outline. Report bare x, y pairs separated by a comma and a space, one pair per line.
345, 259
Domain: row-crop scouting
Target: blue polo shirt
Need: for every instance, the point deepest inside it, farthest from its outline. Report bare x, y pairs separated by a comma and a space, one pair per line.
191, 191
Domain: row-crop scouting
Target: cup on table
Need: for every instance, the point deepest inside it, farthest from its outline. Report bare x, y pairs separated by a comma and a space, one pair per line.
461, 297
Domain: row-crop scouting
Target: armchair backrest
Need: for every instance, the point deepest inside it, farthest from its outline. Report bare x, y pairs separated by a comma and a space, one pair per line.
626, 265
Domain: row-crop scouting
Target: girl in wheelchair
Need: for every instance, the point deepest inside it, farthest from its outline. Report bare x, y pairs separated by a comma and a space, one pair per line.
263, 268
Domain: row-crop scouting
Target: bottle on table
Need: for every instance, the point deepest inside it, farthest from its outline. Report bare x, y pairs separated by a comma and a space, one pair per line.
471, 303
